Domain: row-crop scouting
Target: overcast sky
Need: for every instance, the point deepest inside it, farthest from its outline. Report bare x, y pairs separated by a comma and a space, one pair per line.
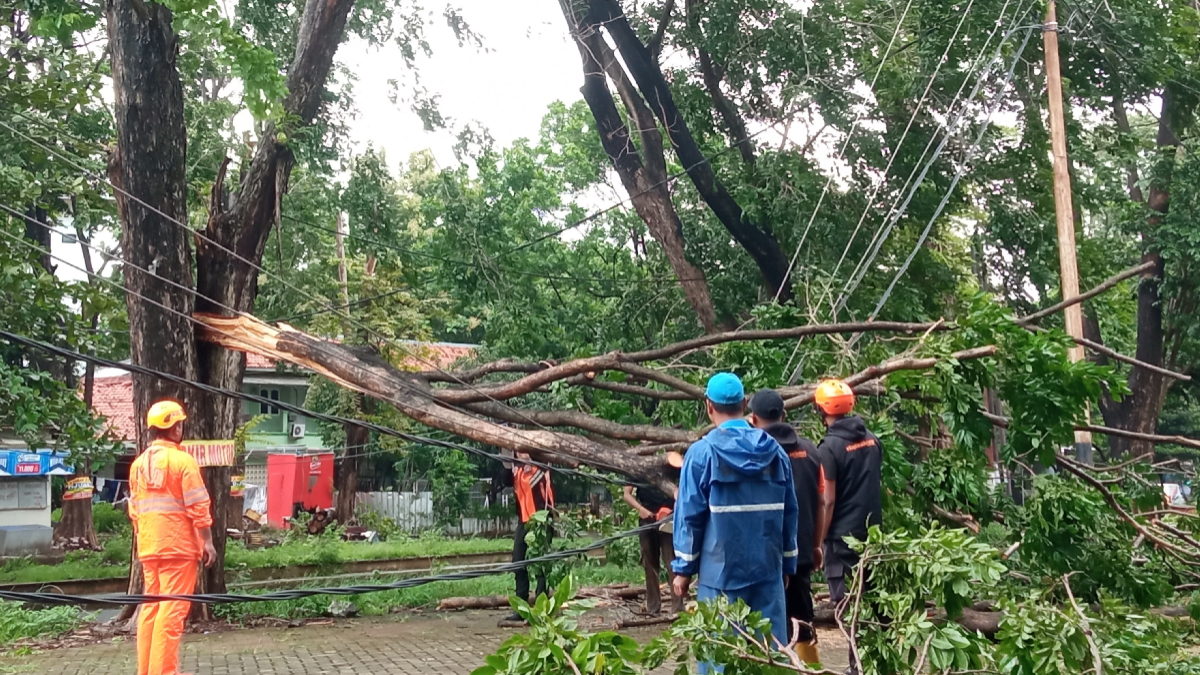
528, 64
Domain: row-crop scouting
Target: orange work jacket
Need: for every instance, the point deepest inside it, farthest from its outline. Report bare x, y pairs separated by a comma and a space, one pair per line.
168, 503
526, 481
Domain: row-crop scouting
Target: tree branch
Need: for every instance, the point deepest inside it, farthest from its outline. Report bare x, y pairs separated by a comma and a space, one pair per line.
1108, 284
1118, 356
628, 362
370, 375
580, 420
1097, 661
473, 374
892, 365
656, 42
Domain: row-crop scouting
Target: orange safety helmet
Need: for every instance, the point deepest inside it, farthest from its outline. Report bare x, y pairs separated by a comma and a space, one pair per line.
834, 397
165, 414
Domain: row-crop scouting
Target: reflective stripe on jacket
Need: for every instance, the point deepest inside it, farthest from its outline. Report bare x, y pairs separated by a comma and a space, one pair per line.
736, 515
168, 502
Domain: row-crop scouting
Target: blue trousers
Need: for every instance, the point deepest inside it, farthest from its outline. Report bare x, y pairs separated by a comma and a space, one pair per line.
766, 597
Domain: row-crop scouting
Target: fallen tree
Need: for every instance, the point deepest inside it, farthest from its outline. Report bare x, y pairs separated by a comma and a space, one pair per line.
482, 413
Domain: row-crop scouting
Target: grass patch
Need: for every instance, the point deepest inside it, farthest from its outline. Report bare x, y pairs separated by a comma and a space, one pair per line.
331, 551
19, 623
420, 596
327, 551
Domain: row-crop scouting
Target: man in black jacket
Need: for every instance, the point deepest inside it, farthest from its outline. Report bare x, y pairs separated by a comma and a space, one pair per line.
851, 466
766, 413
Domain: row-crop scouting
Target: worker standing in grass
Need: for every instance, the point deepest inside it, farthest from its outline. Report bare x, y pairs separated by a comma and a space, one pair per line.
735, 517
172, 520
531, 485
767, 413
852, 467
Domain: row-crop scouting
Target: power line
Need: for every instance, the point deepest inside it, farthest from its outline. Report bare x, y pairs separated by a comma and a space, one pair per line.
962, 169
298, 594
291, 407
278, 404
976, 62
899, 144
262, 270
896, 214
466, 263
845, 144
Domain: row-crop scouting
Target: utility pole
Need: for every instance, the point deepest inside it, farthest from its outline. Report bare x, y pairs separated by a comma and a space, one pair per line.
1063, 210
343, 281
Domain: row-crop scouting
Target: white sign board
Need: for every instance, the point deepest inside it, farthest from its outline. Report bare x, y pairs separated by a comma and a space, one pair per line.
8, 494
31, 493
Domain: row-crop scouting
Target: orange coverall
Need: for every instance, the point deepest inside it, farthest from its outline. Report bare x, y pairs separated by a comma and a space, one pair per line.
167, 505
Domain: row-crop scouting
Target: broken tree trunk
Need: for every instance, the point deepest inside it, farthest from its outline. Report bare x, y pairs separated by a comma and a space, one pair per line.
451, 410
364, 372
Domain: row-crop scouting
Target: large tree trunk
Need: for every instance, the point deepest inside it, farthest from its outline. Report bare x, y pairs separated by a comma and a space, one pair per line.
645, 182
345, 473
148, 163
76, 530
1140, 410
758, 239
237, 230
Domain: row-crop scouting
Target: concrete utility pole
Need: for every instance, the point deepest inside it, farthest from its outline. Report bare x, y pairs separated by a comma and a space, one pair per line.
1063, 210
343, 281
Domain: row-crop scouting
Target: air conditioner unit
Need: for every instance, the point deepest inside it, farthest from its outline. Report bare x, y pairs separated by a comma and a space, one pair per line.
297, 431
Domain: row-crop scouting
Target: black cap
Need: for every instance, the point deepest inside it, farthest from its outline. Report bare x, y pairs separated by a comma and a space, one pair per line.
767, 404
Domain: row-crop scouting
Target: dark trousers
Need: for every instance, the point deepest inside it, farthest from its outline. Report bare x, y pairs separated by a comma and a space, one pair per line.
657, 552
520, 550
800, 604
845, 561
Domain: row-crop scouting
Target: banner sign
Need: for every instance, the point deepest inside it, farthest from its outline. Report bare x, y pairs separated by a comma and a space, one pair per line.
237, 487
26, 464
40, 463
211, 453
78, 488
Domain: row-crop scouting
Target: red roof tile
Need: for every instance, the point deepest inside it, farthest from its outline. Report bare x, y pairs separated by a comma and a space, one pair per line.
113, 398
259, 361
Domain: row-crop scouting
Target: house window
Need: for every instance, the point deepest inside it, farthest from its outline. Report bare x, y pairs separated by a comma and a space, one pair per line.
263, 408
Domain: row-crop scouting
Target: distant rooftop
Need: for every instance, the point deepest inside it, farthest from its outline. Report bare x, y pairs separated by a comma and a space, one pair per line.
112, 395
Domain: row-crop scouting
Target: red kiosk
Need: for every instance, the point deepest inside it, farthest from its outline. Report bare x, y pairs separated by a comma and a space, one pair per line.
297, 482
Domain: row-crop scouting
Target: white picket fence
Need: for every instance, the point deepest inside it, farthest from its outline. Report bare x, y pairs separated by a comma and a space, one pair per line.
413, 512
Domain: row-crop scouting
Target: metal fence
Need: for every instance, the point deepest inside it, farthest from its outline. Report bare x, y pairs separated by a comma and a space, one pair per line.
413, 512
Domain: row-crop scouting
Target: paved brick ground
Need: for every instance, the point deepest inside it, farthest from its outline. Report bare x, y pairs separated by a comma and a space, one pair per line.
443, 643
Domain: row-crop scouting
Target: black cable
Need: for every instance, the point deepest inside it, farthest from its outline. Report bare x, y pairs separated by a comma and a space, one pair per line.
466, 263
348, 305
298, 594
416, 391
387, 431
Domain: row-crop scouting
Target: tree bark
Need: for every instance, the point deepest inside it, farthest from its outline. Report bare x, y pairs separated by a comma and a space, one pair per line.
646, 182
238, 233
148, 163
1139, 411
757, 238
346, 469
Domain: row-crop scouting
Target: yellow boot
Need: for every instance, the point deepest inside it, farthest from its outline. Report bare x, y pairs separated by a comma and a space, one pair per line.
808, 652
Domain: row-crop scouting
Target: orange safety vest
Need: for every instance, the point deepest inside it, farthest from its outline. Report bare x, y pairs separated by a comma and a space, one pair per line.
168, 502
526, 479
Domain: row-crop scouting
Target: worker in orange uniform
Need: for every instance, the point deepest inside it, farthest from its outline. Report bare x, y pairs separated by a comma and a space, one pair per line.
172, 520
531, 484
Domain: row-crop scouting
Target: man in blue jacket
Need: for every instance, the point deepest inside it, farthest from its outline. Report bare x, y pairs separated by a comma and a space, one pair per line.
736, 515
